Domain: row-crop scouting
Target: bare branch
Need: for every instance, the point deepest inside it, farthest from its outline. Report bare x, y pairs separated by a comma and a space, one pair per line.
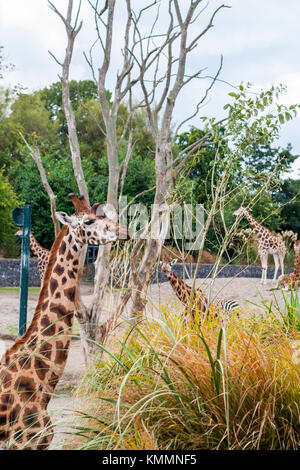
69, 113
56, 60
203, 98
35, 153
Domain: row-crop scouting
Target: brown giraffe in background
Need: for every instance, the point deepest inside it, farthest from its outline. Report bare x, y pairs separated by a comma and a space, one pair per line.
291, 280
35, 362
267, 244
193, 301
41, 253
186, 296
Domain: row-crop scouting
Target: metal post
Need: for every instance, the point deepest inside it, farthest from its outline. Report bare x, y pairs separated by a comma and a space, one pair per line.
22, 217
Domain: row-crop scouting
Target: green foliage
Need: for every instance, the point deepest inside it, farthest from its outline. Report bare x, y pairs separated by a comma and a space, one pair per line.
237, 163
28, 111
201, 166
40, 117
8, 201
241, 146
28, 185
288, 197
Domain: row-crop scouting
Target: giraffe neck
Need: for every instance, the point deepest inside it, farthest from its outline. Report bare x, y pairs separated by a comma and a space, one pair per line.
254, 224
35, 247
185, 293
47, 339
182, 290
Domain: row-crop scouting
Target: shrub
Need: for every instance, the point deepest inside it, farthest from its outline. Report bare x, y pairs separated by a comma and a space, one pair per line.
177, 387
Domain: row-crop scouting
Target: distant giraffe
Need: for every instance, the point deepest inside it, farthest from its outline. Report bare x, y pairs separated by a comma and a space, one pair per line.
35, 362
197, 300
267, 244
193, 301
291, 280
41, 253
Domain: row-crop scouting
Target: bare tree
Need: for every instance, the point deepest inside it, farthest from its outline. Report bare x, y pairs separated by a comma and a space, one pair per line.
93, 325
72, 32
142, 57
122, 89
160, 93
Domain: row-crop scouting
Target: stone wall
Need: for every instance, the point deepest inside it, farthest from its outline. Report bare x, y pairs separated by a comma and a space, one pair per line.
10, 272
207, 270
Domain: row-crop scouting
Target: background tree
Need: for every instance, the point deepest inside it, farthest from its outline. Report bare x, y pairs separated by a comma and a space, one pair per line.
288, 200
8, 201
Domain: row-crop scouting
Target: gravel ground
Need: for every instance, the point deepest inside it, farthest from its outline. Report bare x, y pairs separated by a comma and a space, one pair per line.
242, 289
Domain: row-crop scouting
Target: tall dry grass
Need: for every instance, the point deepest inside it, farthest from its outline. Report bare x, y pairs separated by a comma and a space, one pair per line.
177, 386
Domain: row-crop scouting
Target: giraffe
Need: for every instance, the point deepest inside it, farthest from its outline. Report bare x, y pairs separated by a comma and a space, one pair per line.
41, 253
35, 362
291, 280
186, 296
193, 301
267, 244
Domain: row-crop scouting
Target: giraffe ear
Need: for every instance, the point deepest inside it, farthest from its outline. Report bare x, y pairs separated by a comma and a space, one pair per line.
100, 212
65, 219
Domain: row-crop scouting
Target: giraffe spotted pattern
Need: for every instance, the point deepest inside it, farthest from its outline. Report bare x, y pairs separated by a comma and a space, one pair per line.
292, 280
194, 301
41, 253
267, 244
32, 367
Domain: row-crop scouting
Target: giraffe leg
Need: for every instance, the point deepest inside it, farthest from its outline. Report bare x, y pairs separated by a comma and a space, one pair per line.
264, 266
281, 259
276, 261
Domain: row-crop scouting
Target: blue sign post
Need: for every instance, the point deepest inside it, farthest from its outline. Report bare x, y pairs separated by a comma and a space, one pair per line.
22, 218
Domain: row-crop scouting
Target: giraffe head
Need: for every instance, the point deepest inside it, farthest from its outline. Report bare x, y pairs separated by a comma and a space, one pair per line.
167, 263
91, 224
241, 211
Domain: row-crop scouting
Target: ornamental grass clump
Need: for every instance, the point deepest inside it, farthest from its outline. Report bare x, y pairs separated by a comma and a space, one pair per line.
174, 385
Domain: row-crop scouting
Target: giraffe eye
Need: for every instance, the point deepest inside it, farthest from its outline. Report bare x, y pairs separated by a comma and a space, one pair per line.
90, 222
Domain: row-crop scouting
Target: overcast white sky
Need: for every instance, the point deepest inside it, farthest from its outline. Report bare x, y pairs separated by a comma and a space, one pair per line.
259, 40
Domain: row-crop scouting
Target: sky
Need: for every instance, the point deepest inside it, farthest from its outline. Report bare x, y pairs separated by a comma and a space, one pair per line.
259, 41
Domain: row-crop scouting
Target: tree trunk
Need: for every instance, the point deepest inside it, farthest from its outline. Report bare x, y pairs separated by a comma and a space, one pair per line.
141, 275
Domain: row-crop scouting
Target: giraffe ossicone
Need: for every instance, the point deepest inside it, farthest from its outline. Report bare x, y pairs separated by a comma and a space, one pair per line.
267, 244
35, 362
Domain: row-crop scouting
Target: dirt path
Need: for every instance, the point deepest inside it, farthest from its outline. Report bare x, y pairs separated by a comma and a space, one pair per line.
62, 405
